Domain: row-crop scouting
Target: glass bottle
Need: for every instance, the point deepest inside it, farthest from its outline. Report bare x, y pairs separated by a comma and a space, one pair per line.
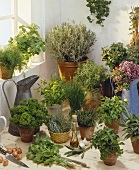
74, 139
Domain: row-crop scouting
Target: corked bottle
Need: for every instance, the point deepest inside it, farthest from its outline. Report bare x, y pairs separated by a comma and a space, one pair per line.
74, 139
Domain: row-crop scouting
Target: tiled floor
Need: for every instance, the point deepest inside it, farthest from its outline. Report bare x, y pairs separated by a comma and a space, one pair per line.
128, 161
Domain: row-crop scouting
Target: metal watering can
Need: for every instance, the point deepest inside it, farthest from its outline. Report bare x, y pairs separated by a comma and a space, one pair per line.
23, 92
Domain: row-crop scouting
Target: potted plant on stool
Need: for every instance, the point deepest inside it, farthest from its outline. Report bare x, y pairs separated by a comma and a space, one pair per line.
110, 112
87, 120
108, 143
70, 44
27, 116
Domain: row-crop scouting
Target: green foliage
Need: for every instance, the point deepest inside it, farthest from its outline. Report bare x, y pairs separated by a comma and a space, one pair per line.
59, 124
51, 91
11, 58
44, 150
134, 17
70, 42
74, 94
131, 126
77, 151
111, 109
133, 53
107, 142
87, 118
90, 75
100, 9
28, 40
29, 114
114, 54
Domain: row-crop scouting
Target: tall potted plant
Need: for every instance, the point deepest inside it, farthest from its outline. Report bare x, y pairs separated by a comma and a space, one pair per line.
27, 116
69, 44
75, 95
11, 59
110, 112
91, 77
108, 143
53, 94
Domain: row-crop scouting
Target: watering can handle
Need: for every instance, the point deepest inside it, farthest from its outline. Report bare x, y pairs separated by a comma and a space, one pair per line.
4, 91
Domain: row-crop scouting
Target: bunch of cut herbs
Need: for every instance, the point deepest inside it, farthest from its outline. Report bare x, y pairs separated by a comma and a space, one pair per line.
44, 150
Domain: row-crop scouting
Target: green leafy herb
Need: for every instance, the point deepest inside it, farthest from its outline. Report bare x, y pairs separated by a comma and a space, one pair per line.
44, 150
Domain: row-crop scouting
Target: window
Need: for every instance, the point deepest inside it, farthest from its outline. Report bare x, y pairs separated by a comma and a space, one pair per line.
14, 13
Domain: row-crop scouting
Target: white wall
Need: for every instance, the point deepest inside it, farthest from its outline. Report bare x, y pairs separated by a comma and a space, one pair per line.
48, 13
116, 25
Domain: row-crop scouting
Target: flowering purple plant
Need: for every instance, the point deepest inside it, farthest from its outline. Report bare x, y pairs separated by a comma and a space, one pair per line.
123, 75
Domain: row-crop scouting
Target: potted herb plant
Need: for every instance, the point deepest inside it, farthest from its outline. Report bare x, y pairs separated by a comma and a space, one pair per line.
130, 126
110, 112
114, 54
75, 95
124, 74
53, 94
11, 59
70, 44
28, 40
108, 143
87, 121
91, 77
27, 116
59, 127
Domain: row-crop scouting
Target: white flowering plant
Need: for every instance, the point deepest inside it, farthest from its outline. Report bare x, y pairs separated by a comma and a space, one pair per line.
124, 74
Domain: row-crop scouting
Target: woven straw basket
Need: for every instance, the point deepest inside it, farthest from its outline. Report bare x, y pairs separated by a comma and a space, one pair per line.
59, 137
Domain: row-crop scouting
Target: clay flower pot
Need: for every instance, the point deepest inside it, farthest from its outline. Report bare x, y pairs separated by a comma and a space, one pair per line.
135, 145
114, 125
26, 135
86, 132
68, 69
111, 159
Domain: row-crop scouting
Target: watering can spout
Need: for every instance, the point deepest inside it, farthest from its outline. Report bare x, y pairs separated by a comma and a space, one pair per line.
27, 83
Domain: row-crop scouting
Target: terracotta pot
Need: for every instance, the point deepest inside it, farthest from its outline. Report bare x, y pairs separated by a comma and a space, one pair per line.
135, 145
26, 135
5, 73
92, 101
86, 132
68, 69
114, 125
111, 159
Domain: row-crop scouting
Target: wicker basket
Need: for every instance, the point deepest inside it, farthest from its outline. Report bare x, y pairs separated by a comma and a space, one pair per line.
59, 137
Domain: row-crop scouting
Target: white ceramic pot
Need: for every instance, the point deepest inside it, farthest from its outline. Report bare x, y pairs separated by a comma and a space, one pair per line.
55, 109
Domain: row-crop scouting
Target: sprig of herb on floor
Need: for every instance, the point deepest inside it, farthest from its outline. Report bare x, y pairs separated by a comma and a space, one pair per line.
44, 150
77, 151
